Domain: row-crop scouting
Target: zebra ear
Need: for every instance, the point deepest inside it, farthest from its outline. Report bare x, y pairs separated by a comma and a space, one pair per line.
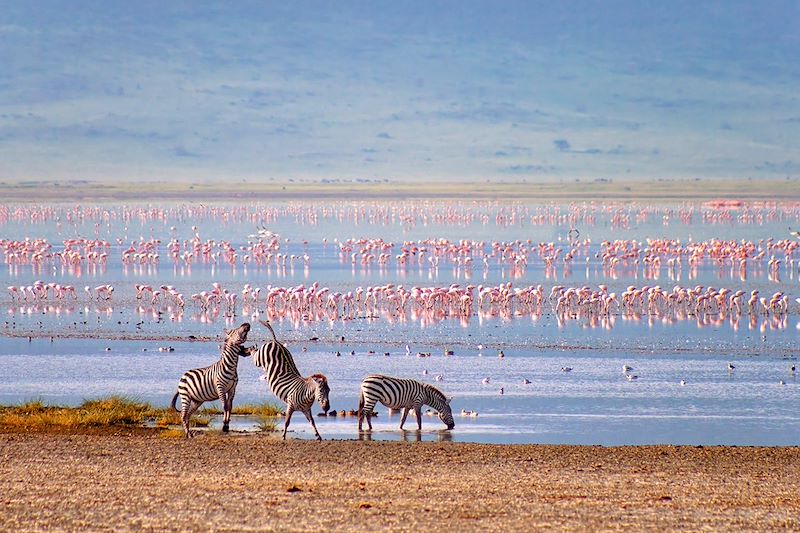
450, 399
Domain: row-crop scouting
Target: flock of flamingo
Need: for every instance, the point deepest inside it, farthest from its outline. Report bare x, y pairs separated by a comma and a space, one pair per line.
431, 304
77, 253
644, 262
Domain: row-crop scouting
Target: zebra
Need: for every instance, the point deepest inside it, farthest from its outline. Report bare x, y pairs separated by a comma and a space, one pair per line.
215, 382
287, 384
396, 393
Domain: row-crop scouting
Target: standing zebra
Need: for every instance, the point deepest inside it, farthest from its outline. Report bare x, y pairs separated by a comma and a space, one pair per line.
215, 382
286, 382
396, 393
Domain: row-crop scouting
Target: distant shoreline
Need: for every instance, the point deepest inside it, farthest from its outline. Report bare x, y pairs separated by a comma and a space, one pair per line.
566, 191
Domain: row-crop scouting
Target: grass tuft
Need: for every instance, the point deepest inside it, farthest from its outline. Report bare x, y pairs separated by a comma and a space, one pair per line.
171, 433
167, 418
258, 409
111, 411
253, 409
199, 421
266, 424
117, 411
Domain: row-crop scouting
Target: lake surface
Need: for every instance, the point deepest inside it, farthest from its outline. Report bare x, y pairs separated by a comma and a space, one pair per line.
67, 350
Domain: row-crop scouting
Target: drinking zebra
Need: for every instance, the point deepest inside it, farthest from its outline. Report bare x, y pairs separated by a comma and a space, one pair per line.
287, 384
215, 382
396, 393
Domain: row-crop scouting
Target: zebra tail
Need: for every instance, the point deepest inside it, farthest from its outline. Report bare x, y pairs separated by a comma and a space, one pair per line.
175, 399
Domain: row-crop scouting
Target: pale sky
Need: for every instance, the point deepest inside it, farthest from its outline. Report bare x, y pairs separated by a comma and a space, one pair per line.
423, 90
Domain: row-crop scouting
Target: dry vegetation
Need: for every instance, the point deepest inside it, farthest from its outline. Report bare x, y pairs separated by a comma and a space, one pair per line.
252, 409
112, 411
115, 411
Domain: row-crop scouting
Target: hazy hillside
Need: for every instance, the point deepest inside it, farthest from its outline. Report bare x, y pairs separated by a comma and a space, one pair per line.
523, 90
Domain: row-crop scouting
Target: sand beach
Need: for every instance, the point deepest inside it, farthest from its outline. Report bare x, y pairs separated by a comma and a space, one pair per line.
132, 479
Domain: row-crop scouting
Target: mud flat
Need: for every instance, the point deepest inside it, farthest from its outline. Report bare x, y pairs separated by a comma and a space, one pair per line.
137, 479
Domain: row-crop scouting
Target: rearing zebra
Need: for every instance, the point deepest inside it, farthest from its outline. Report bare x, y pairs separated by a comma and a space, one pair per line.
287, 384
407, 394
215, 382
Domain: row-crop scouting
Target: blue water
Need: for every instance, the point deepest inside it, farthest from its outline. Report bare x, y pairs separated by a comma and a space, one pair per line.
57, 350
592, 404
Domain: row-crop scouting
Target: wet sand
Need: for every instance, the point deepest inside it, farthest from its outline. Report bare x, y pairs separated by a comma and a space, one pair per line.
137, 479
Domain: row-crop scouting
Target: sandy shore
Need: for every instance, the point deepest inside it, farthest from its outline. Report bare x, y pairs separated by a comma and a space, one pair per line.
134, 480
650, 190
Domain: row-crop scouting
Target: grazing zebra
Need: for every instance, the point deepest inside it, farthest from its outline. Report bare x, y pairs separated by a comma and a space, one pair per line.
215, 382
397, 393
287, 384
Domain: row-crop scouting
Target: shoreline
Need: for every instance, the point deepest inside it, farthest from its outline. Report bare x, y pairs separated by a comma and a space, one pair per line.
659, 191
126, 479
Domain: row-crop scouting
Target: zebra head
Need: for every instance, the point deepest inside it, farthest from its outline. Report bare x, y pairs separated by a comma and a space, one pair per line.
238, 336
441, 403
321, 394
446, 415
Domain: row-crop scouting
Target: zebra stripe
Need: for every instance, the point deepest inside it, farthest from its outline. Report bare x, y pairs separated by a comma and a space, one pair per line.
406, 394
215, 382
288, 385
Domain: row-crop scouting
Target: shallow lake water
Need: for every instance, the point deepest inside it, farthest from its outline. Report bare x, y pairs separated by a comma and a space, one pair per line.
67, 350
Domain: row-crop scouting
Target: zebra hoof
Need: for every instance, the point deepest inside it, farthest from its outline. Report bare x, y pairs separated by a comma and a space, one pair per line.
225, 428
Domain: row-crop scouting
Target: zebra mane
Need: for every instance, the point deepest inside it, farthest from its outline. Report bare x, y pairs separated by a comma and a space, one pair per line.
435, 393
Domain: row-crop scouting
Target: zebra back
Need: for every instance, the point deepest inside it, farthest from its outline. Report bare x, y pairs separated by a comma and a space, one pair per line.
284, 378
399, 393
392, 392
274, 357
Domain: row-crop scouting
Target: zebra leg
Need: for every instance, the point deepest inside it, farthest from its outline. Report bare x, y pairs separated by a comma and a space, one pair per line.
313, 425
366, 411
185, 414
405, 414
289, 412
187, 409
361, 411
226, 413
227, 407
418, 412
